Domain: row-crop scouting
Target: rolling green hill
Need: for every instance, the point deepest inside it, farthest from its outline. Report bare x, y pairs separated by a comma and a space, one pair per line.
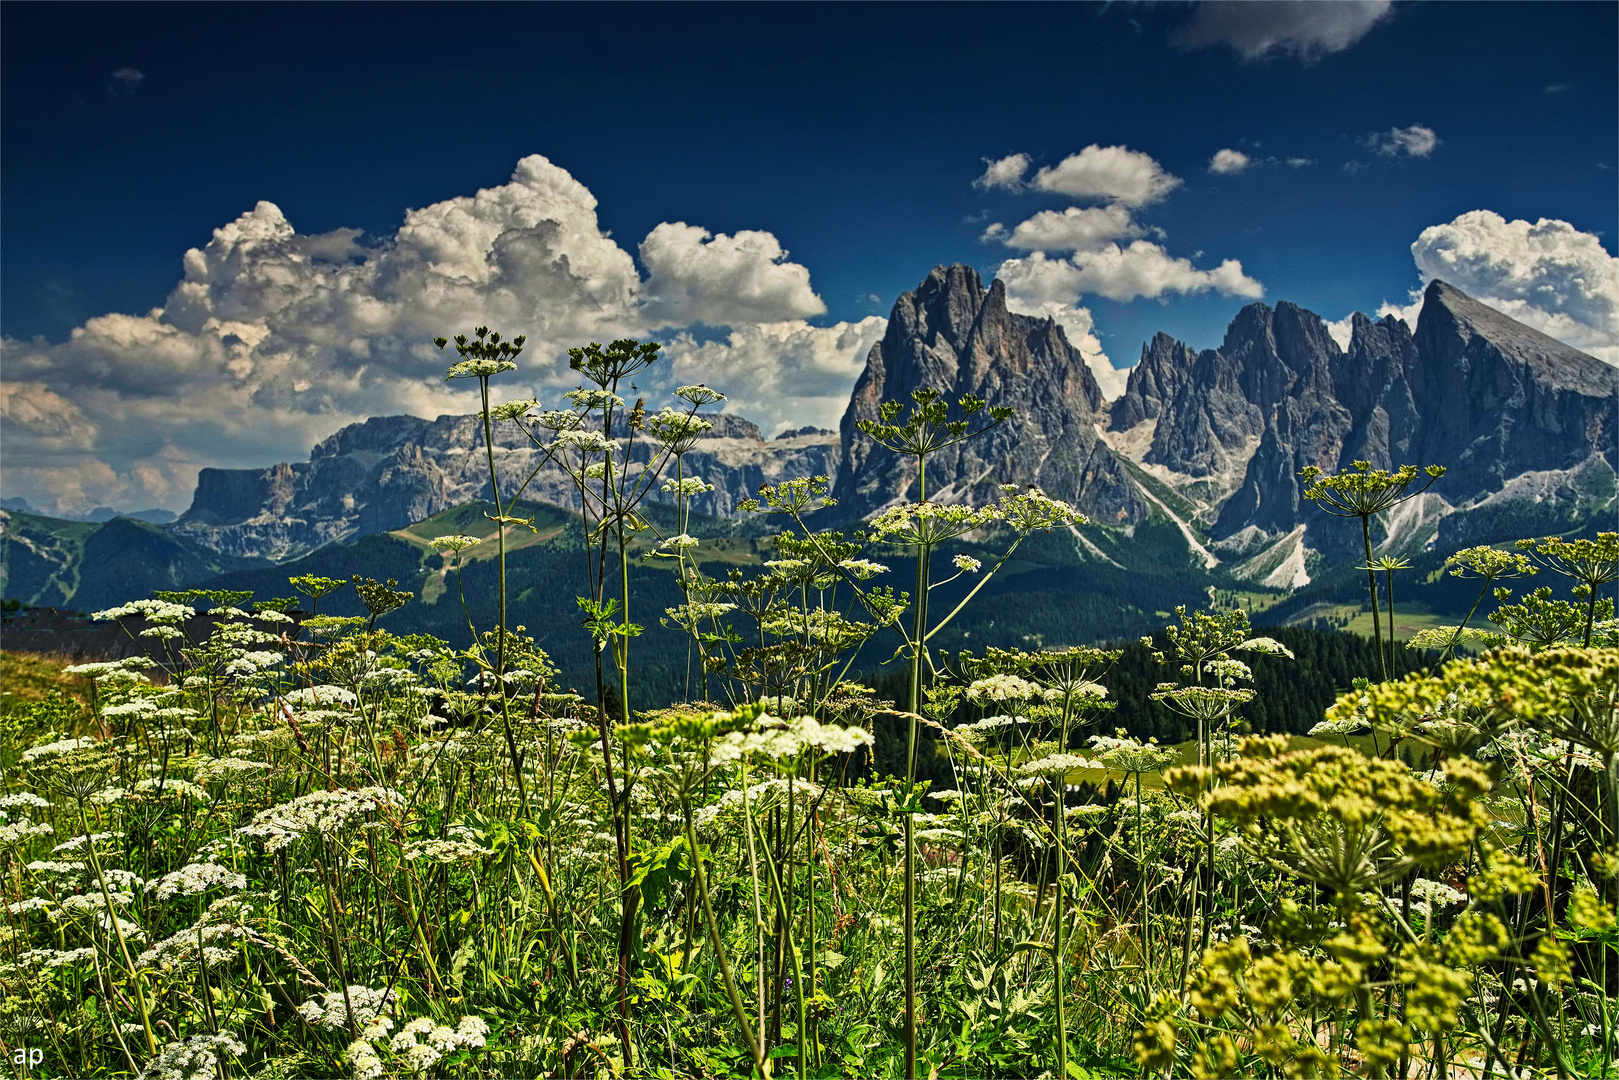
48, 562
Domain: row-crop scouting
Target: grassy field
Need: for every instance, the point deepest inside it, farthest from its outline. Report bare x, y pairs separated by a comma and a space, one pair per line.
26, 676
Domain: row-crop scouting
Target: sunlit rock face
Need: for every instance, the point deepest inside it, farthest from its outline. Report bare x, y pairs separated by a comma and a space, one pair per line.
953, 335
1519, 419
394, 470
1213, 439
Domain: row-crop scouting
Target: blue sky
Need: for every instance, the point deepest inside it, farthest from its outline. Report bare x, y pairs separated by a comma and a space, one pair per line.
851, 134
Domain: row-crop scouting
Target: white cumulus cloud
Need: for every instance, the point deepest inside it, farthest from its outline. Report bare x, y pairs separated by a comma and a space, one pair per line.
722, 280
1049, 289
1005, 173
1145, 269
1305, 29
1418, 140
1342, 331
1226, 162
273, 339
1108, 172
1546, 274
780, 374
1070, 229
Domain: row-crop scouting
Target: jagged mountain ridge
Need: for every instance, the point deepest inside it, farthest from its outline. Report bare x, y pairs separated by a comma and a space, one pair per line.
392, 471
1487, 397
1213, 439
953, 335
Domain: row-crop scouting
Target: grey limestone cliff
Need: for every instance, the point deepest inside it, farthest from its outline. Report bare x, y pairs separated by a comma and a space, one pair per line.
953, 335
1525, 425
1516, 418
391, 471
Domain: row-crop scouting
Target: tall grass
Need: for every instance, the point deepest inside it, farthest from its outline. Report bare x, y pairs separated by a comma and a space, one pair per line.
308, 846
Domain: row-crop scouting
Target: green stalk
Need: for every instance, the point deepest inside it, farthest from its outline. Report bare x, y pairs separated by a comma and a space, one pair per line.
910, 822
1141, 872
1060, 914
500, 642
118, 931
1388, 584
1371, 582
719, 948
1454, 638
758, 910
790, 949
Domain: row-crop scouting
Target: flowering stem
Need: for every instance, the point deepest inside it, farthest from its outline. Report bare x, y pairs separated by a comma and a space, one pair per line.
1059, 915
118, 930
981, 583
719, 947
1371, 582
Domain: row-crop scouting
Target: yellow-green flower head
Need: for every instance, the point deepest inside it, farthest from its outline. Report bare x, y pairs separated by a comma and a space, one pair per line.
678, 431
453, 543
699, 394
1489, 563
1590, 562
593, 399
1364, 491
513, 410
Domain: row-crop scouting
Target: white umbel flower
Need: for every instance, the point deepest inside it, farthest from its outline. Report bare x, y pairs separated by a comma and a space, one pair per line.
196, 878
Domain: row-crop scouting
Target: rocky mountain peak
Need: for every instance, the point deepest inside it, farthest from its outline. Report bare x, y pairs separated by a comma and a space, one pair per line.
953, 335
391, 471
1500, 398
1522, 422
1164, 367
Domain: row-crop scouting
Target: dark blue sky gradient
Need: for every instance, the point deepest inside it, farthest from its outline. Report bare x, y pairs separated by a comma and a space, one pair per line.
851, 132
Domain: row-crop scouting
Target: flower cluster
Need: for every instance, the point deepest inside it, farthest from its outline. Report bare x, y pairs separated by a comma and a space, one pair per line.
1001, 688
929, 523
333, 1009
195, 1057
687, 488
195, 878
322, 813
436, 1040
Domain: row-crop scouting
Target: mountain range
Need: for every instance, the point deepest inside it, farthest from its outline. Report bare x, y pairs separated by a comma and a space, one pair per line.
1204, 446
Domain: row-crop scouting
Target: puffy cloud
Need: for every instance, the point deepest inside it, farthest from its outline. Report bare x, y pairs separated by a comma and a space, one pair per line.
1073, 228
1418, 140
995, 232
51, 422
1225, 162
1006, 173
1546, 274
1300, 162
722, 280
1049, 288
780, 374
1146, 269
1342, 331
1108, 172
273, 339
1306, 29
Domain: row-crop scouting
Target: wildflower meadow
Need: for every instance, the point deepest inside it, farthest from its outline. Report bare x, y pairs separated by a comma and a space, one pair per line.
301, 845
